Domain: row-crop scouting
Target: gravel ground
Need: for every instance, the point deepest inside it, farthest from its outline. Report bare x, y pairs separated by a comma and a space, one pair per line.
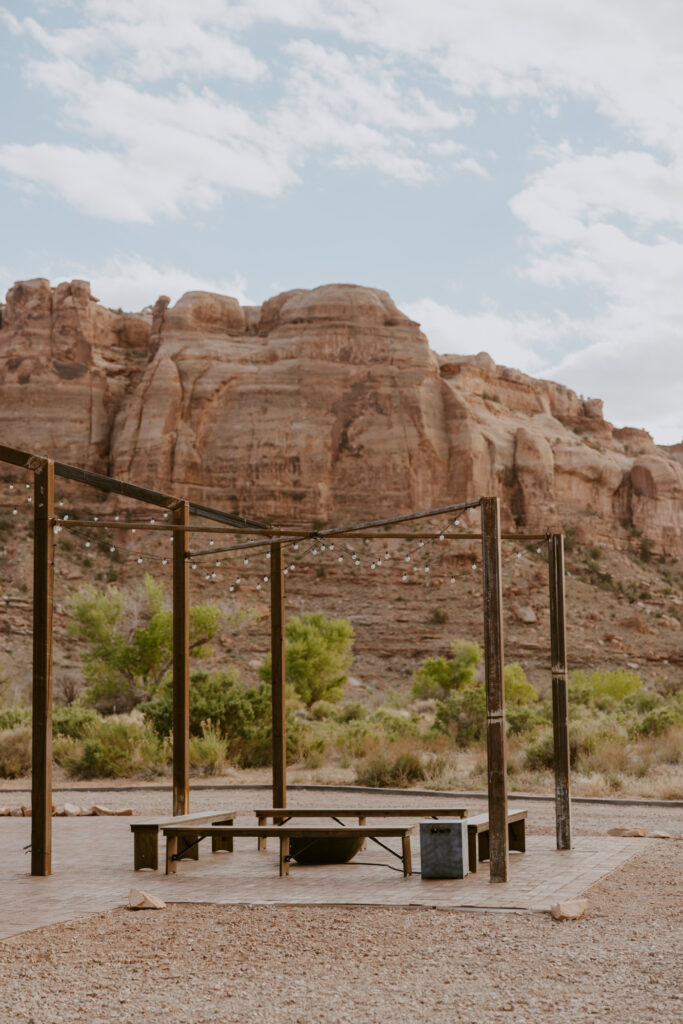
319, 965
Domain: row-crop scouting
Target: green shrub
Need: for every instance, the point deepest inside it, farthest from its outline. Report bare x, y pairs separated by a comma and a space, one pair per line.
438, 677
463, 715
12, 717
354, 711
603, 688
208, 752
15, 752
657, 721
322, 709
72, 720
384, 770
113, 748
396, 725
318, 655
518, 690
438, 616
242, 714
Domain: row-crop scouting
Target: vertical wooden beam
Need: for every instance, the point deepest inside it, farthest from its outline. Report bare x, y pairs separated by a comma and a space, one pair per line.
558, 653
43, 591
181, 663
495, 688
277, 650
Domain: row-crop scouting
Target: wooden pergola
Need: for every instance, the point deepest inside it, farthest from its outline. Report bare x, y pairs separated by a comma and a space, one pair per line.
276, 538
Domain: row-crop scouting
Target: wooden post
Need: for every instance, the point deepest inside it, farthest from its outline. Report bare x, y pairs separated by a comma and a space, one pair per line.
181, 663
43, 590
495, 688
277, 638
558, 652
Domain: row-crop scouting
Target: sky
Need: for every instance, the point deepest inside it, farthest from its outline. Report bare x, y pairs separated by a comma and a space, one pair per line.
511, 173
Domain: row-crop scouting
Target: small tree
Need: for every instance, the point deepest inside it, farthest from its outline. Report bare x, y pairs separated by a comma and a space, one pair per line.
318, 655
438, 677
129, 649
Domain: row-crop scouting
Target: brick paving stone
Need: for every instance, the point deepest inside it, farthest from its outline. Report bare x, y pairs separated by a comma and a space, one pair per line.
93, 872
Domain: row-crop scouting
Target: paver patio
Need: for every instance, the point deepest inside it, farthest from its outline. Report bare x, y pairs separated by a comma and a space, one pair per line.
93, 872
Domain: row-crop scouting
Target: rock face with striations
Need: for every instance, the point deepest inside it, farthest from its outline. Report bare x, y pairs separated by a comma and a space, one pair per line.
323, 404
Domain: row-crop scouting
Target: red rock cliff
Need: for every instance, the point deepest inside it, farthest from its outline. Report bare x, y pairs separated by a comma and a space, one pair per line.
325, 404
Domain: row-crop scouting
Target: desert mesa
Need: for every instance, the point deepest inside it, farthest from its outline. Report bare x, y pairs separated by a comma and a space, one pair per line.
320, 405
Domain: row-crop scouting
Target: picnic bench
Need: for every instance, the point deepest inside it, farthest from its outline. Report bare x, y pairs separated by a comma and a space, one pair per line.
146, 832
281, 815
478, 835
180, 837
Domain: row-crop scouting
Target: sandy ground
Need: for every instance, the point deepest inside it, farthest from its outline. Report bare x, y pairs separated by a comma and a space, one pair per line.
332, 964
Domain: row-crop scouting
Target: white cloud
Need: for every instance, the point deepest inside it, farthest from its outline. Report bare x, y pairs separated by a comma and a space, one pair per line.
131, 283
509, 341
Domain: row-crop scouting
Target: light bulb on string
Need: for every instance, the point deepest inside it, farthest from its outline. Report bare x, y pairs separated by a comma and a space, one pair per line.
27, 486
165, 515
372, 565
133, 530
14, 511
11, 487
331, 547
379, 561
474, 565
164, 561
116, 518
456, 522
452, 579
265, 579
292, 566
404, 577
267, 554
194, 565
315, 551
340, 558
30, 499
246, 561
152, 522
407, 558
441, 536
426, 568
422, 543
87, 543
258, 586
218, 564
112, 549
95, 519
296, 547
139, 561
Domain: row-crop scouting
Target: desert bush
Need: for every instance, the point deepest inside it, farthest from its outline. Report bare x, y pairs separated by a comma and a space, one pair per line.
390, 769
321, 710
518, 690
438, 616
357, 739
318, 655
113, 748
396, 724
15, 752
129, 645
72, 720
354, 711
10, 718
463, 715
439, 677
657, 721
208, 752
603, 688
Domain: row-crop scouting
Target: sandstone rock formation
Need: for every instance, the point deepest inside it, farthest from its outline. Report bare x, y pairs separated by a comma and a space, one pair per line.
325, 404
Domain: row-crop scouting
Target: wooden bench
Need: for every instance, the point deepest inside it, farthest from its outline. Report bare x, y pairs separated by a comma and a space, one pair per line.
146, 832
176, 834
478, 835
284, 814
